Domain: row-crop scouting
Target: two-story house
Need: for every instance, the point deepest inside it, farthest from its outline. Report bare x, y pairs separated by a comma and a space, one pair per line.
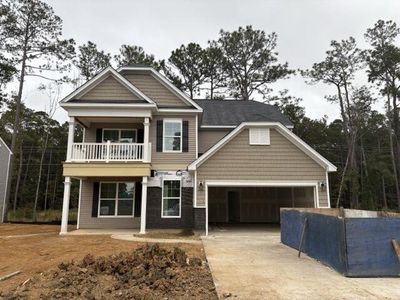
151, 157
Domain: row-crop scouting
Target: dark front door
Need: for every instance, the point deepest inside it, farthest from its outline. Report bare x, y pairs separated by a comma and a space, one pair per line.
233, 206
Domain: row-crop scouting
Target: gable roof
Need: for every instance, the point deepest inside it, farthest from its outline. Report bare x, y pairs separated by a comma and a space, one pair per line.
92, 83
231, 113
164, 81
308, 150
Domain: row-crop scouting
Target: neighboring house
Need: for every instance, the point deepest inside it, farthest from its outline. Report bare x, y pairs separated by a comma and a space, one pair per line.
151, 157
5, 158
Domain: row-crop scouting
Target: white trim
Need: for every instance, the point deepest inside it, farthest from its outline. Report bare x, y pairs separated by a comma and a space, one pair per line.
197, 136
119, 134
97, 79
327, 190
218, 126
206, 206
323, 162
143, 206
180, 198
259, 183
116, 199
167, 120
79, 204
109, 112
179, 110
5, 145
195, 190
6, 184
97, 104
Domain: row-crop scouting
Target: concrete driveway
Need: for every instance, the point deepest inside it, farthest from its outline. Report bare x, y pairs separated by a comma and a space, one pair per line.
251, 263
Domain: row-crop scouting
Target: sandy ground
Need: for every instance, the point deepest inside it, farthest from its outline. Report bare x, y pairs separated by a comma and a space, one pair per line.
35, 254
253, 264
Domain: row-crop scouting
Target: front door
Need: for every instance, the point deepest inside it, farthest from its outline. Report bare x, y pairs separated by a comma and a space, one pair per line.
233, 206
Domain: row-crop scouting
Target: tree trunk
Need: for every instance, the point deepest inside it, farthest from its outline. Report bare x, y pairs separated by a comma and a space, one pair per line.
18, 180
17, 118
54, 190
47, 180
392, 155
39, 179
384, 198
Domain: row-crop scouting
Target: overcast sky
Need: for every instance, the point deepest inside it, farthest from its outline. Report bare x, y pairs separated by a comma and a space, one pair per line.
304, 27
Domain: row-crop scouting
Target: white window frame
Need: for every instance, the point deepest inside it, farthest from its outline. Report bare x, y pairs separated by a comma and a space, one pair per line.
259, 131
180, 198
116, 201
119, 134
164, 136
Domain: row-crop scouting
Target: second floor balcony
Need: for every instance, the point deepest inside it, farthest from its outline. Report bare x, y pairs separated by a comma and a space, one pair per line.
109, 151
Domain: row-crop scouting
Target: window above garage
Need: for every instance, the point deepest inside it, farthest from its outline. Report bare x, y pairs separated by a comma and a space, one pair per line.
259, 136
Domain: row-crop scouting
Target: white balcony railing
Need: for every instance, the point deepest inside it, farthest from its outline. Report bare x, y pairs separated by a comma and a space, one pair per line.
110, 152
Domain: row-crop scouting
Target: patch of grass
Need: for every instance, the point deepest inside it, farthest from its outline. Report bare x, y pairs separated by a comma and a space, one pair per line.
25, 214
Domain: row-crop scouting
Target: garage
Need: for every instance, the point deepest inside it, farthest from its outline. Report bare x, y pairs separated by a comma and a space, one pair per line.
260, 204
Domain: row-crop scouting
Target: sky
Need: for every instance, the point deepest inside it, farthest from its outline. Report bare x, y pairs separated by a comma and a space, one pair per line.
304, 27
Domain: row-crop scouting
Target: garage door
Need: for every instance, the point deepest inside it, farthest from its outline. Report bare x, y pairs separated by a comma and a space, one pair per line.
255, 204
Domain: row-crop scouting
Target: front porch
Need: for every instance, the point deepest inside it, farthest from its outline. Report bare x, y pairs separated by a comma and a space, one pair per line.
107, 204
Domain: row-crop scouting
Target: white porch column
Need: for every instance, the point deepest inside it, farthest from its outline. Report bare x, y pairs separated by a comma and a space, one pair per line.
65, 208
146, 149
144, 206
71, 132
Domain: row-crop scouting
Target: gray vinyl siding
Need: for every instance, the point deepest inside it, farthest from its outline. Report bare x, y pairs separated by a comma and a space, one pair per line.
208, 138
177, 158
4, 163
109, 89
280, 161
155, 90
85, 214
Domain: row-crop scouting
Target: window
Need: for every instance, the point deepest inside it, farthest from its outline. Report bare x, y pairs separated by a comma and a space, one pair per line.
172, 136
119, 135
259, 136
116, 199
171, 199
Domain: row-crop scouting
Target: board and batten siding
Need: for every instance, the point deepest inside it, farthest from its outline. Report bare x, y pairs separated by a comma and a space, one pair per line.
173, 160
109, 89
155, 90
279, 161
85, 212
208, 138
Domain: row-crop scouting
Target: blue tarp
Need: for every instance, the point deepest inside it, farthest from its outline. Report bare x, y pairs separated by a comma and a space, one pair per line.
357, 247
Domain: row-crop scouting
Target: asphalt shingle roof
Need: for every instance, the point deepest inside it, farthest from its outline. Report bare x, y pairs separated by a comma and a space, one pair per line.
234, 112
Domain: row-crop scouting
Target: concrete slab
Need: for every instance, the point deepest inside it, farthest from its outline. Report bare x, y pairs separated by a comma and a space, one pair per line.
103, 232
251, 263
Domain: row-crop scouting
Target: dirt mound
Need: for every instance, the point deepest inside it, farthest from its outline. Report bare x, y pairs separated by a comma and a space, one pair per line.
149, 272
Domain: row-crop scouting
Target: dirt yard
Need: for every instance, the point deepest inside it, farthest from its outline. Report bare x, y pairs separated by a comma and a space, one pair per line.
33, 255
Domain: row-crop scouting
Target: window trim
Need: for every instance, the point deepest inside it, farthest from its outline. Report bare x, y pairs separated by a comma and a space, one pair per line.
164, 136
267, 143
116, 200
119, 134
180, 198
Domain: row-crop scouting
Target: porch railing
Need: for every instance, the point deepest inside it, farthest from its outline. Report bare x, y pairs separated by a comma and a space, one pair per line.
110, 152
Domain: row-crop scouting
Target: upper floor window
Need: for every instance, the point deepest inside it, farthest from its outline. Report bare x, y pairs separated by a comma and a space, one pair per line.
259, 136
172, 135
120, 135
